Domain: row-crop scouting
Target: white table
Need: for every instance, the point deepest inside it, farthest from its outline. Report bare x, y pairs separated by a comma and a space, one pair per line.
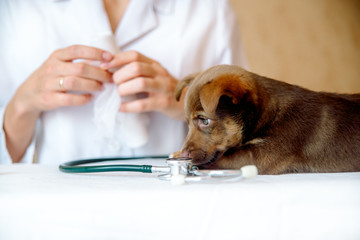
40, 202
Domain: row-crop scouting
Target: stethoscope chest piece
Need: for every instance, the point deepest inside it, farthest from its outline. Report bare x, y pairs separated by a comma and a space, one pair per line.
180, 166
180, 170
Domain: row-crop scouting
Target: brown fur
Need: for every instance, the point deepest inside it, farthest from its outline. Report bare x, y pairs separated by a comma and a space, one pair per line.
281, 128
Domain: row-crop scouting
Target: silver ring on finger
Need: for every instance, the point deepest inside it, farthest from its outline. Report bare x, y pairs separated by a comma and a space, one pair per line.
61, 83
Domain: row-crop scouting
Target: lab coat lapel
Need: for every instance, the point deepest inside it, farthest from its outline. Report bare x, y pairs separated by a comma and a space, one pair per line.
138, 20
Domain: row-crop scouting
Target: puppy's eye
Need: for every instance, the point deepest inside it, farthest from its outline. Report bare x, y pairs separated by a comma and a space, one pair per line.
203, 121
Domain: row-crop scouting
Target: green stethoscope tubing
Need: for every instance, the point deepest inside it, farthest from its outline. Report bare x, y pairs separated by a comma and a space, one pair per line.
76, 165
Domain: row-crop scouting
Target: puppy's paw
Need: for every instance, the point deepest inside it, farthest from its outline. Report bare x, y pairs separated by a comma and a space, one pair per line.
175, 154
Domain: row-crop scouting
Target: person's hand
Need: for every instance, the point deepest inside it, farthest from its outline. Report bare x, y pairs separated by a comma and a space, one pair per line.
51, 86
137, 73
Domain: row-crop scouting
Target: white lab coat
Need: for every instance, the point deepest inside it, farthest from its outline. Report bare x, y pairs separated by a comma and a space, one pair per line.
185, 36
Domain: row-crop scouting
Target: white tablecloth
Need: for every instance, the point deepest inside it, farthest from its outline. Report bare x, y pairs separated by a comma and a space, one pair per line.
40, 202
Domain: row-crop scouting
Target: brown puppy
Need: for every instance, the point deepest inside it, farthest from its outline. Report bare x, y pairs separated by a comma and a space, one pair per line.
237, 118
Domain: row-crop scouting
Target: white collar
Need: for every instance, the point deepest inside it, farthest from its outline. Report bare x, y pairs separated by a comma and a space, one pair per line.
89, 16
139, 19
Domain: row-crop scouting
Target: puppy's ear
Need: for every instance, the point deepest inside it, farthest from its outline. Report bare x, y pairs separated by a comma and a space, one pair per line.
232, 86
182, 84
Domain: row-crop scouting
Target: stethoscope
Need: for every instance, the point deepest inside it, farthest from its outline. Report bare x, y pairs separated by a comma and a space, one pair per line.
178, 170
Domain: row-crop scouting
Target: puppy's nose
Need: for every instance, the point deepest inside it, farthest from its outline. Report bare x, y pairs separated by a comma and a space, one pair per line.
185, 154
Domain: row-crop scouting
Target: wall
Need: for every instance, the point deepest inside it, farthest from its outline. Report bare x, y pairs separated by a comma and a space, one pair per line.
312, 43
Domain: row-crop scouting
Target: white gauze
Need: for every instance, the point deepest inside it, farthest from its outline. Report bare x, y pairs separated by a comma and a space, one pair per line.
114, 128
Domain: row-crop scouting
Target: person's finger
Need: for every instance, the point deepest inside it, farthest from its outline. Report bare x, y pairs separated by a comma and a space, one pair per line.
82, 69
73, 83
133, 70
138, 85
124, 58
150, 103
137, 106
82, 52
69, 99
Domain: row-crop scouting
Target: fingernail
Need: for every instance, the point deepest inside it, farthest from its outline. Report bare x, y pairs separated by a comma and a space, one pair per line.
100, 87
107, 56
104, 65
89, 97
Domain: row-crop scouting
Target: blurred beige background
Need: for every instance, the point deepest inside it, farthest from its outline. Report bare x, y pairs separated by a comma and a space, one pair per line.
312, 43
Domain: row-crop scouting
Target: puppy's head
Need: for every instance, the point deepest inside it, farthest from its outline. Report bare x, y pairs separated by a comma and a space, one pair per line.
220, 107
